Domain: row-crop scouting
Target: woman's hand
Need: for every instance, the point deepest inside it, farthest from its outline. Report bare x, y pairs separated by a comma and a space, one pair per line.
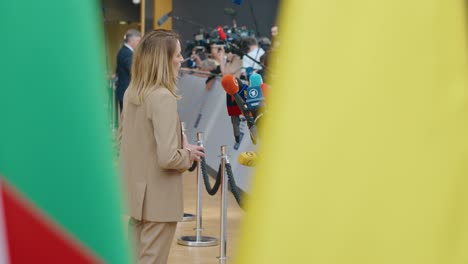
196, 152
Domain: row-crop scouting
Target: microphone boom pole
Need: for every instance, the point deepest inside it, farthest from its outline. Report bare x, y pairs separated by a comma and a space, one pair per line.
163, 19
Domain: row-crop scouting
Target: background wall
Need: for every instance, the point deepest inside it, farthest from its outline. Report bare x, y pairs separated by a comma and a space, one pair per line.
121, 10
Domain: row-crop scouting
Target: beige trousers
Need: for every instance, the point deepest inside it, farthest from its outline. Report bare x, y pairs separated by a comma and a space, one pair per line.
152, 240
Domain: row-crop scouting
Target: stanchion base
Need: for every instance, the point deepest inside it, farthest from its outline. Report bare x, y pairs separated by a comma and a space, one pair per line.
191, 241
189, 217
222, 260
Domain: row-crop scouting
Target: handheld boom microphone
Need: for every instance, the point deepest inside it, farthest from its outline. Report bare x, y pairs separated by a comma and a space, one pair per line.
164, 18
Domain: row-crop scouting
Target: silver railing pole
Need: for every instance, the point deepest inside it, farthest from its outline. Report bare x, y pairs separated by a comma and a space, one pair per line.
199, 191
224, 184
198, 240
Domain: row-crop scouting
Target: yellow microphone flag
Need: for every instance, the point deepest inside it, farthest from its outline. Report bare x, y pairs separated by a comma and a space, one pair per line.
364, 155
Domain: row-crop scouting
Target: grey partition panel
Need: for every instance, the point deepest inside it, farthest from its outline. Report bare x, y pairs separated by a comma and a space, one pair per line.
205, 111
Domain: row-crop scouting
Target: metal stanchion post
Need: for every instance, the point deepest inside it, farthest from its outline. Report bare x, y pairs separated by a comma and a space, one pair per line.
198, 240
224, 184
187, 216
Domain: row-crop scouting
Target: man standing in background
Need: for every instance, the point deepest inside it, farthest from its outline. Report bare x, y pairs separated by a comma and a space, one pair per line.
124, 63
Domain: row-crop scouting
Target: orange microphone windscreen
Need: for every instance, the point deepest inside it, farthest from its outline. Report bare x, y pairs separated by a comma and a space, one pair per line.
230, 84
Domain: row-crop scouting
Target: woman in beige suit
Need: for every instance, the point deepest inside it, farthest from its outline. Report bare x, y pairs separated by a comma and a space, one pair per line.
154, 153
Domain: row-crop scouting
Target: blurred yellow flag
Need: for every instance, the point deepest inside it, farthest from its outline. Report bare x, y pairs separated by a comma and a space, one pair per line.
364, 157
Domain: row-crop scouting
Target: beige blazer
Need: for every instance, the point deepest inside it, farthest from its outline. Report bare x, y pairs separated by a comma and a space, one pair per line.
152, 158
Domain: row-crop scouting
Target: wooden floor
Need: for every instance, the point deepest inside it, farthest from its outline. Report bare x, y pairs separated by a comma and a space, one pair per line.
211, 219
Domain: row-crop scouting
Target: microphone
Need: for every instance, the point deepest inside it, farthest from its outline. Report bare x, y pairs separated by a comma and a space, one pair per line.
255, 79
232, 107
221, 33
248, 158
164, 18
233, 110
231, 86
254, 95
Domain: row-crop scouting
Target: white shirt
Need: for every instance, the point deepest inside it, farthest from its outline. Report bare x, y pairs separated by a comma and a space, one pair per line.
128, 46
256, 54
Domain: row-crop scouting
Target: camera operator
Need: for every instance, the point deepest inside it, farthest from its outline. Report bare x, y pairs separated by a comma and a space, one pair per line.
254, 51
229, 63
217, 62
196, 57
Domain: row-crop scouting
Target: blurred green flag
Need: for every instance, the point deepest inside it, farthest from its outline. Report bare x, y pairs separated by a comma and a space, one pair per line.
61, 197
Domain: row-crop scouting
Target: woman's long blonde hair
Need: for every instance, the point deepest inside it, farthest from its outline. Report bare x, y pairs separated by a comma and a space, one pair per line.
152, 66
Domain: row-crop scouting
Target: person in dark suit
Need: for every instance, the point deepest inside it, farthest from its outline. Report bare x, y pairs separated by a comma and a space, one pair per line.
124, 63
